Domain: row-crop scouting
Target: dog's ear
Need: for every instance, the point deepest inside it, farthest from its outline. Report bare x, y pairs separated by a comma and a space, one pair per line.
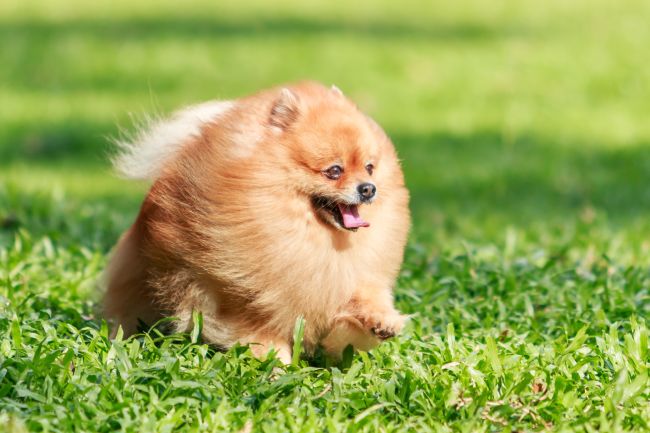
285, 109
334, 89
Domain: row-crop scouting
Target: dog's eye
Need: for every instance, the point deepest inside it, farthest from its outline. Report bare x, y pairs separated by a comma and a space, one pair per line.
334, 172
370, 168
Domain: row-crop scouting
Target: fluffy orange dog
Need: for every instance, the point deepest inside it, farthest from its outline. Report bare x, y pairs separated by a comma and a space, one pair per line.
287, 203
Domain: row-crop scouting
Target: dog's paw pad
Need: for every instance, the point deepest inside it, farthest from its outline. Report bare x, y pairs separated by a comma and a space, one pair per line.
383, 333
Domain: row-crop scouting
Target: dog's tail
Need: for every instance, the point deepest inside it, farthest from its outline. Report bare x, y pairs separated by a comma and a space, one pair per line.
157, 141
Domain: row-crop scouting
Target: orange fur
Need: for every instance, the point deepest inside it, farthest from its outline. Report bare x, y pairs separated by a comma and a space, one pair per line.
229, 228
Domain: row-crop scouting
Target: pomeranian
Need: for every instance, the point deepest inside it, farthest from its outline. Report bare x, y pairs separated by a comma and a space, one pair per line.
285, 204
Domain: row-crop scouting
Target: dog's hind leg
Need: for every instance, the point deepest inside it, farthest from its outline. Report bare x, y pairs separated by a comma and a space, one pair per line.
128, 300
261, 345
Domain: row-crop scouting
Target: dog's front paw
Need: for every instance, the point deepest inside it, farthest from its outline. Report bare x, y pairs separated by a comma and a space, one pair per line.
384, 326
384, 333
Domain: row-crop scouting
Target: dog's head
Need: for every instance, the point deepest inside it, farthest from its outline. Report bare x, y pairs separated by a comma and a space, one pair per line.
335, 152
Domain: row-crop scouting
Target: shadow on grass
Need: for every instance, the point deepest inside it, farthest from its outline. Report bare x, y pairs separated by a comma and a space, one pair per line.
260, 27
527, 179
88, 142
477, 177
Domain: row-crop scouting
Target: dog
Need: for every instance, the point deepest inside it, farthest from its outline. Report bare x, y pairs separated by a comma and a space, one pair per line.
288, 203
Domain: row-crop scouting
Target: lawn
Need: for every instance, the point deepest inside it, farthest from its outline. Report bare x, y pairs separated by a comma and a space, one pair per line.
524, 134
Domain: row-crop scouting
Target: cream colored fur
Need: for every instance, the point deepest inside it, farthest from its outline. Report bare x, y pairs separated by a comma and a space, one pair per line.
159, 140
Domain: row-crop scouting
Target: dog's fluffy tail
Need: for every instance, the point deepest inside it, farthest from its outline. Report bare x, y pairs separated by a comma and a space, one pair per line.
158, 140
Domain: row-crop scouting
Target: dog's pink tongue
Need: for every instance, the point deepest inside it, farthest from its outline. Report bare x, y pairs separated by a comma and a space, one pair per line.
351, 218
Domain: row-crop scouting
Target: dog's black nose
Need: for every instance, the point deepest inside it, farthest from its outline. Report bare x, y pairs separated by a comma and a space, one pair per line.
366, 191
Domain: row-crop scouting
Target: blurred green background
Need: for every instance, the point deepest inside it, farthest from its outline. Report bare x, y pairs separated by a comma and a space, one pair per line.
510, 117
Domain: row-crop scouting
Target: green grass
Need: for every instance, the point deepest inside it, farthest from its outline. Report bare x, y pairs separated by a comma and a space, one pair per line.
523, 129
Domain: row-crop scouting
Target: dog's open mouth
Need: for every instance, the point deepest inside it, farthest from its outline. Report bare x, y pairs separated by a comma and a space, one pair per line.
343, 215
